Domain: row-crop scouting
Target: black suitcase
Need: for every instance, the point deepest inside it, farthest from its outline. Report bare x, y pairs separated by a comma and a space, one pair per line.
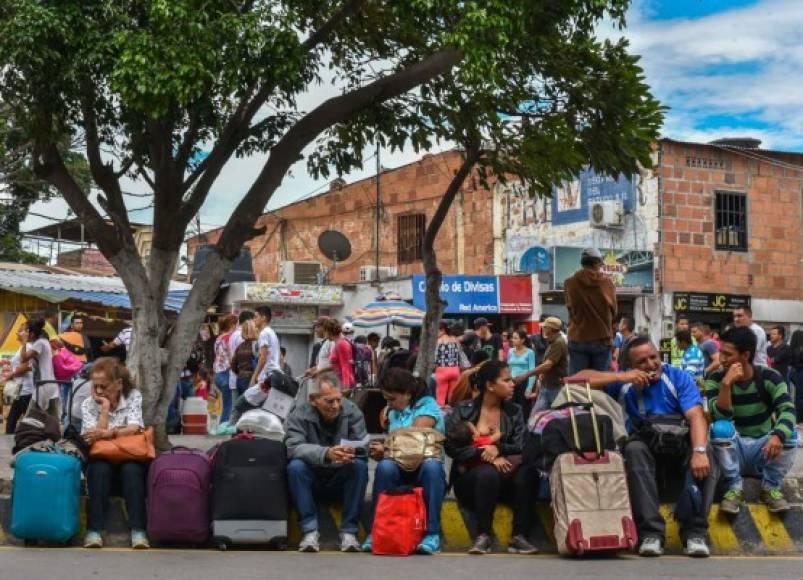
557, 438
250, 502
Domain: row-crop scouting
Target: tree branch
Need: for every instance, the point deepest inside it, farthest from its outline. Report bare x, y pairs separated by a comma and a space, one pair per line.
346, 9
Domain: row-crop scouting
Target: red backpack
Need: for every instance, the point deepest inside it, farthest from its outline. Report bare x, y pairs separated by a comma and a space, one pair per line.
399, 522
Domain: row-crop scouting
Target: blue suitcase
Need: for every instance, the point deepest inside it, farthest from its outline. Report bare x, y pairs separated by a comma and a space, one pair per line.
45, 497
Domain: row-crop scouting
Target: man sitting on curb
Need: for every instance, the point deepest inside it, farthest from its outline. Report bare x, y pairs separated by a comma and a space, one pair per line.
743, 399
648, 392
320, 465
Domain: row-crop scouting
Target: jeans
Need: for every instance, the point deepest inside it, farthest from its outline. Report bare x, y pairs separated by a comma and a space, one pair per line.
482, 487
222, 384
64, 395
545, 398
430, 476
595, 355
693, 504
242, 385
346, 483
744, 456
100, 475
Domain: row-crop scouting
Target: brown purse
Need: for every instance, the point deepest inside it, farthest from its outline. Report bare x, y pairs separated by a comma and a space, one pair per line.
137, 448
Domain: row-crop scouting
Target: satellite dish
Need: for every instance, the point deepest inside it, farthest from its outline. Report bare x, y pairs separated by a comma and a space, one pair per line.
334, 245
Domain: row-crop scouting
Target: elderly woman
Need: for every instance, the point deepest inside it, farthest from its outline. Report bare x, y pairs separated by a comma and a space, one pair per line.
113, 410
409, 406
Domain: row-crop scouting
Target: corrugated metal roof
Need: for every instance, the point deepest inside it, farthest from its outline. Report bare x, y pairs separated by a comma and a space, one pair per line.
174, 302
13, 278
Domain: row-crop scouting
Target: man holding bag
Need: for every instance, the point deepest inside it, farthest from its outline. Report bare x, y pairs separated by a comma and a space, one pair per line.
320, 465
667, 430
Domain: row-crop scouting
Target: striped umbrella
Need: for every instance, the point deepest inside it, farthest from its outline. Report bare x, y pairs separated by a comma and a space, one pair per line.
383, 312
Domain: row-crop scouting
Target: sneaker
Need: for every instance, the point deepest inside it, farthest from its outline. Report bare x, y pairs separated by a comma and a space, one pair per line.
367, 545
521, 545
93, 539
349, 543
696, 548
139, 540
775, 500
482, 545
732, 501
431, 544
310, 542
651, 547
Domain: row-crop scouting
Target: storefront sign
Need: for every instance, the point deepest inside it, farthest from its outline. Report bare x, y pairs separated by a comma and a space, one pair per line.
572, 198
480, 294
293, 294
631, 271
711, 303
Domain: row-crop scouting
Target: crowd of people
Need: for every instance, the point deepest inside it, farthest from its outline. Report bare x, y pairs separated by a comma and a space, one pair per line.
734, 397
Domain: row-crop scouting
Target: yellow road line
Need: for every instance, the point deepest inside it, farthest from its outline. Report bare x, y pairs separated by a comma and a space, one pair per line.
771, 528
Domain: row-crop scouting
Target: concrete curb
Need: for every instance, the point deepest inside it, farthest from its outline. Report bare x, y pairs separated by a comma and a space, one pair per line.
755, 531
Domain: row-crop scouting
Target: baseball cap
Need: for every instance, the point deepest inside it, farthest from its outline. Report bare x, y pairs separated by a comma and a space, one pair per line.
591, 253
480, 322
553, 322
347, 328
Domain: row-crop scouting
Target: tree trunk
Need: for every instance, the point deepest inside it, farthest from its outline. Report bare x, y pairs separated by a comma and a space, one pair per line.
434, 304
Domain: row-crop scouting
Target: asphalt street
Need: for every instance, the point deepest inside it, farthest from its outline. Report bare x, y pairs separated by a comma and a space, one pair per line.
117, 564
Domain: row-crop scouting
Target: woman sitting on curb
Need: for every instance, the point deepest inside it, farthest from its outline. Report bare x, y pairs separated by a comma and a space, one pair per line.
485, 439
408, 406
113, 410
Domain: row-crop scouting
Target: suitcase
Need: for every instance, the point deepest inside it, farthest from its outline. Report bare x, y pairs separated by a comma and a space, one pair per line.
250, 502
553, 434
178, 497
45, 497
590, 498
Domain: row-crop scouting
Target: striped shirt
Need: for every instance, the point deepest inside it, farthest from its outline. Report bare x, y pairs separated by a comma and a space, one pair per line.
749, 412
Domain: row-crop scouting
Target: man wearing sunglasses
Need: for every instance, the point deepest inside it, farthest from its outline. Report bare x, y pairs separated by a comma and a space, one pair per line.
324, 463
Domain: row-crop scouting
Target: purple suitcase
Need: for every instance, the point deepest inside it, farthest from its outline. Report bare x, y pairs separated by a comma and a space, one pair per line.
178, 497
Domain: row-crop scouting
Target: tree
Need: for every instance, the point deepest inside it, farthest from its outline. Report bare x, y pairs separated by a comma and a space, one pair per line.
149, 83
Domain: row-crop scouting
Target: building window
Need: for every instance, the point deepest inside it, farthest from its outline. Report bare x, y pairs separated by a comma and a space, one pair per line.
731, 221
410, 233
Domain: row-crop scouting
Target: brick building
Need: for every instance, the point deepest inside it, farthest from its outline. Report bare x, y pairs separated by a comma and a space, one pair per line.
288, 251
731, 223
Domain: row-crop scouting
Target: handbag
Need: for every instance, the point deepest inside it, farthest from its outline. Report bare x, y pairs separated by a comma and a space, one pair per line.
137, 448
400, 521
65, 365
411, 446
664, 434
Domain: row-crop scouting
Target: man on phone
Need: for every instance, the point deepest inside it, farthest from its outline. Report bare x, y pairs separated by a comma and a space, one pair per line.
754, 422
326, 461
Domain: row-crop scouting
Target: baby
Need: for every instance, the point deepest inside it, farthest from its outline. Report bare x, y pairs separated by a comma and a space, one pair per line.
466, 434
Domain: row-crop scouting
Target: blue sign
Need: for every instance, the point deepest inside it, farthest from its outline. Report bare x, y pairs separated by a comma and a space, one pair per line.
570, 200
463, 294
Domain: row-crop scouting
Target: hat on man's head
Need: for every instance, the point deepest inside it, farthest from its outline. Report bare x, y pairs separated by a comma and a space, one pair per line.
553, 322
480, 322
591, 253
347, 328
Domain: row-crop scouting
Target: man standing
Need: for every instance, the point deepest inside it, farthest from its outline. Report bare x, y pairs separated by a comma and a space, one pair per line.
701, 333
591, 300
75, 339
754, 422
779, 352
743, 317
269, 350
627, 330
320, 465
554, 367
681, 324
649, 390
486, 340
321, 352
691, 360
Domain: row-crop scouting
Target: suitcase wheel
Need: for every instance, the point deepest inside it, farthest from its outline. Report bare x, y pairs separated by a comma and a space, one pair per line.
222, 546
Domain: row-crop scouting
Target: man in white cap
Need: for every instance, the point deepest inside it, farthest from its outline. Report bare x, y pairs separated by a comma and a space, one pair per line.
591, 301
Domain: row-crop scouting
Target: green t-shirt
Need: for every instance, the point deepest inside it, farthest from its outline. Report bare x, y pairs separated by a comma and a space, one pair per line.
558, 353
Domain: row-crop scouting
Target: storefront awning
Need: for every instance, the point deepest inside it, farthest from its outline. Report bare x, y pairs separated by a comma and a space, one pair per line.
174, 302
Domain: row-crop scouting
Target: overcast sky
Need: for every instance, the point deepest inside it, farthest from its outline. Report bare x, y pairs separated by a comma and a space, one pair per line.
724, 67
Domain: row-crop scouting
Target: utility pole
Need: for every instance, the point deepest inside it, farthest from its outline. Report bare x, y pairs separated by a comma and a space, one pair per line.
378, 214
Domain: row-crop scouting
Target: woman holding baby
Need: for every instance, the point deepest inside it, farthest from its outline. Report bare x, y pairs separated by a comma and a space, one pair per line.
485, 438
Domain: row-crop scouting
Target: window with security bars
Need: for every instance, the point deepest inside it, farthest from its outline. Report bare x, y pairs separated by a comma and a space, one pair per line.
410, 235
731, 221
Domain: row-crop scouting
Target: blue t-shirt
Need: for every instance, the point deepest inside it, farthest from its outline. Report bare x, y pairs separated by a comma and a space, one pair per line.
426, 406
521, 364
675, 393
618, 340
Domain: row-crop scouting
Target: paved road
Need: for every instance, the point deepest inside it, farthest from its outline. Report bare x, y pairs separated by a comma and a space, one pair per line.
69, 564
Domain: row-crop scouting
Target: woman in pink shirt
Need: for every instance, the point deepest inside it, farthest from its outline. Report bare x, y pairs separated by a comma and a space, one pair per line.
342, 357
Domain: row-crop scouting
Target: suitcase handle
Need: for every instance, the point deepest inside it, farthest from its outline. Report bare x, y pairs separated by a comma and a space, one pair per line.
568, 382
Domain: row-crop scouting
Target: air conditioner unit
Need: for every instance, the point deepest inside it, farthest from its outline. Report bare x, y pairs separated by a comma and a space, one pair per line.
301, 273
368, 273
606, 214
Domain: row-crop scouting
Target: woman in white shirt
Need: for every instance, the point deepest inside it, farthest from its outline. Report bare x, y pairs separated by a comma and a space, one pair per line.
22, 374
40, 356
113, 410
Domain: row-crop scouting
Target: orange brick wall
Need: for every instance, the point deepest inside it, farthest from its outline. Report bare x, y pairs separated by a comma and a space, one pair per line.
412, 188
771, 268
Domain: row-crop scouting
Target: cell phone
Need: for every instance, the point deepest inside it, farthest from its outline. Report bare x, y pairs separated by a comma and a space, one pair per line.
360, 452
